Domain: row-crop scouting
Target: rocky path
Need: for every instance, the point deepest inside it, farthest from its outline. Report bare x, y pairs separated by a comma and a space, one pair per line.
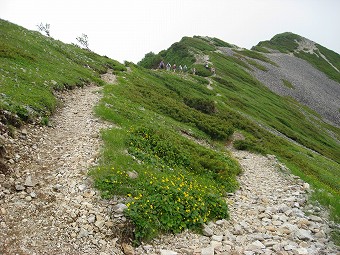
267, 216
47, 205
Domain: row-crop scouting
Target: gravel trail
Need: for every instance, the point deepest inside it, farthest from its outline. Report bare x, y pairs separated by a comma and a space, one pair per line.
48, 205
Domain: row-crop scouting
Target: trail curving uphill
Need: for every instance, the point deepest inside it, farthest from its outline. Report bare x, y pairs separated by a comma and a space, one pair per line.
48, 204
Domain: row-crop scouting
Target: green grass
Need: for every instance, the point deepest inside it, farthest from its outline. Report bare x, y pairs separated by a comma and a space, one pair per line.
33, 65
285, 42
257, 65
321, 64
255, 55
288, 84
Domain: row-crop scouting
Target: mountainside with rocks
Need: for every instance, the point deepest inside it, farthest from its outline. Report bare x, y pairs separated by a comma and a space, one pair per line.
97, 156
311, 69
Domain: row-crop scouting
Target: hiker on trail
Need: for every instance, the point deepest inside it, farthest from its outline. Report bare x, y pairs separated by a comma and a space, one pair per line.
180, 68
185, 68
174, 67
194, 71
213, 70
168, 66
206, 66
161, 65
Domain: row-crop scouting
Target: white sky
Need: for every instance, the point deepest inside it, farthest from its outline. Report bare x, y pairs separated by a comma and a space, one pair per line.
128, 29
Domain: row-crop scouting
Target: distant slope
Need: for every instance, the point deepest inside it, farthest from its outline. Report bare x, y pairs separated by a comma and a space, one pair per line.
322, 58
298, 79
33, 65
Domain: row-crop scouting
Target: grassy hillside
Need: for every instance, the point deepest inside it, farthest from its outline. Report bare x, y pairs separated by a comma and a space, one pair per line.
32, 66
288, 43
235, 91
155, 109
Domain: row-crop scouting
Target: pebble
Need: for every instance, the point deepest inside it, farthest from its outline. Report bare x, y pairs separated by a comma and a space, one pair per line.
168, 252
208, 251
207, 231
19, 187
29, 181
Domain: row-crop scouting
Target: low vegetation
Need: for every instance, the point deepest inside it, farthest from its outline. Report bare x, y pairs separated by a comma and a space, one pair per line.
285, 43
288, 84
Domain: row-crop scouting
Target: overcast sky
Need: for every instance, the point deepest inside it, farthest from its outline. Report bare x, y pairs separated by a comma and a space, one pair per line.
128, 29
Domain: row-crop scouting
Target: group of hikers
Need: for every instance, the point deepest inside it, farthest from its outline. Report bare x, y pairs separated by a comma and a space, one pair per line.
173, 67
181, 69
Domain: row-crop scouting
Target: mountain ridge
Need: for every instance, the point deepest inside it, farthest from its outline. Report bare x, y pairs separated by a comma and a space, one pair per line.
286, 44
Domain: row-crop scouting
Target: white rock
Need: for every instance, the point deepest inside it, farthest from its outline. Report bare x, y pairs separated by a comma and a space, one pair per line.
300, 251
270, 243
207, 231
227, 247
320, 234
19, 187
288, 247
257, 245
83, 233
215, 244
306, 186
217, 238
119, 208
315, 218
208, 251
220, 222
29, 182
238, 230
168, 252
28, 198
33, 194
99, 223
3, 211
91, 218
303, 234
132, 174
82, 187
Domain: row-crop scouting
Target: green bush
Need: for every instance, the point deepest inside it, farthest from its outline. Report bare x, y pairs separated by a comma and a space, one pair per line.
245, 145
201, 70
150, 60
164, 150
201, 104
173, 202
